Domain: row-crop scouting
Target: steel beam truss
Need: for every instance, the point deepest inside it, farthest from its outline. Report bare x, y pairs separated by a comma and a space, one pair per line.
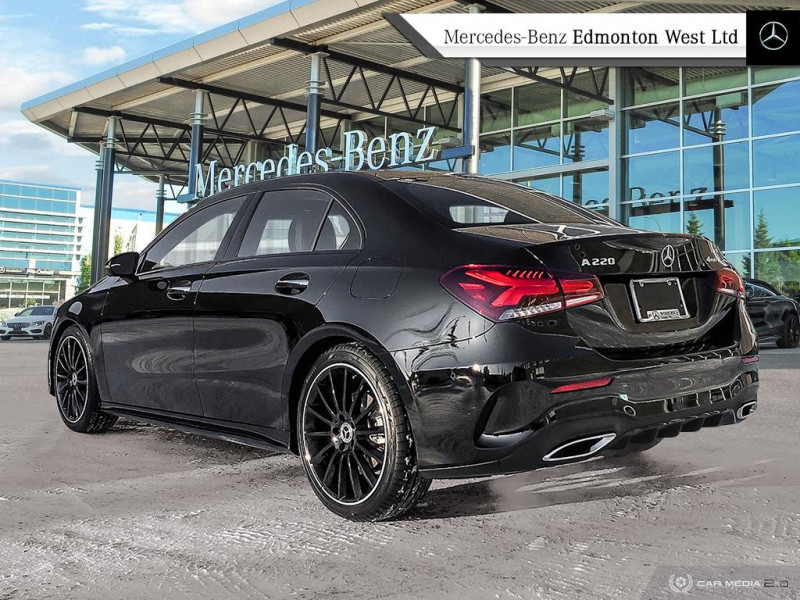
360, 76
162, 145
598, 80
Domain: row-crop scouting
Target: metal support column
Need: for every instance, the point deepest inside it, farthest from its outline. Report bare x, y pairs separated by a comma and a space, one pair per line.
718, 130
98, 201
314, 102
103, 231
616, 184
471, 126
196, 147
160, 197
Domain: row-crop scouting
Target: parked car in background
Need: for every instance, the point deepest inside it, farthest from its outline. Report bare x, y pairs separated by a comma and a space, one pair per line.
396, 327
34, 321
776, 317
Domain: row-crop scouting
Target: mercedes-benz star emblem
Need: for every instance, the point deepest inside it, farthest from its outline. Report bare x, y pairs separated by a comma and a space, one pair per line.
668, 256
773, 35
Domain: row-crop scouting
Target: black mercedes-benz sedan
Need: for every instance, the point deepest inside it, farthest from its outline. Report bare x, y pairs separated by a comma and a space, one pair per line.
776, 317
396, 327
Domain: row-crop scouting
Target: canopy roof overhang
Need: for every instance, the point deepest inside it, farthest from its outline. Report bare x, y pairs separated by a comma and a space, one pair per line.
256, 70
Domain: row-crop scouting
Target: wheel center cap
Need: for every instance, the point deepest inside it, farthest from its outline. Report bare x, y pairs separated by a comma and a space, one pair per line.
346, 433
74, 379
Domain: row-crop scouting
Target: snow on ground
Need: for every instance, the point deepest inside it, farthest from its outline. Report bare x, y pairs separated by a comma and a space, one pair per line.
146, 512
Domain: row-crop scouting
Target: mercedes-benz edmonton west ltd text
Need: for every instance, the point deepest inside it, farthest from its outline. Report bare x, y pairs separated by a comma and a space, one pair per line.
396, 327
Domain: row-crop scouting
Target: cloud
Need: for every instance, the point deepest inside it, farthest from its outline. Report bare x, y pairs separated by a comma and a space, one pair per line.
15, 17
24, 82
144, 17
95, 55
36, 174
97, 26
29, 69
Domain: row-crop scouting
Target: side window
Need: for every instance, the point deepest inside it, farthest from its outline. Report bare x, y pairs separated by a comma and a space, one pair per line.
339, 232
765, 292
195, 240
285, 221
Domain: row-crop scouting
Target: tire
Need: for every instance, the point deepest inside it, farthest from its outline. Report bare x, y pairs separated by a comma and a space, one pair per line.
5, 338
48, 331
75, 383
355, 437
791, 332
631, 449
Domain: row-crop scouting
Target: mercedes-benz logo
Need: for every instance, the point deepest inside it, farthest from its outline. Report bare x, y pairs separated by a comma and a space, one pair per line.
668, 256
773, 35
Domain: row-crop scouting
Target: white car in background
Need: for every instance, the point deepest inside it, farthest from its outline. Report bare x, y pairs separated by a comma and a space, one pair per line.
34, 321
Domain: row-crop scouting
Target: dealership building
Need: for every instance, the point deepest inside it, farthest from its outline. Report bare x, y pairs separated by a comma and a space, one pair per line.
40, 238
699, 149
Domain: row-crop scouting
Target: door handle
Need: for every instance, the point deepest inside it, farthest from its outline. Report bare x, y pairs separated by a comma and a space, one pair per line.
292, 284
179, 291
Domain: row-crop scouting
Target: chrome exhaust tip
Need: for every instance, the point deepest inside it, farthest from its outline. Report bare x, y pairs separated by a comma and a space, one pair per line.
746, 409
580, 448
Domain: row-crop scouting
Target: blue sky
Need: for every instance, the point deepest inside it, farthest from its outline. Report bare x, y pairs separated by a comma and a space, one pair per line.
47, 44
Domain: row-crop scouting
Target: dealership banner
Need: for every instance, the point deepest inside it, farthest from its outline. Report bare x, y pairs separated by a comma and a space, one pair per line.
756, 37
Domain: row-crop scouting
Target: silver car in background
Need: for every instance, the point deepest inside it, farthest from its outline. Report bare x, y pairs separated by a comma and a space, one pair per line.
34, 321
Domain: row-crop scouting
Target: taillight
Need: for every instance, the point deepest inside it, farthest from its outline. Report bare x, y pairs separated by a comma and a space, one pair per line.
730, 283
505, 293
581, 385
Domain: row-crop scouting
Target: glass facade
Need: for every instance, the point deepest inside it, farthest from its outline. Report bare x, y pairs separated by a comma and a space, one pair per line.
716, 152
710, 151
546, 137
39, 241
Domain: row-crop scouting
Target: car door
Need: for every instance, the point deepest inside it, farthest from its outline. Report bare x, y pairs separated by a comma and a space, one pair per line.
147, 330
252, 307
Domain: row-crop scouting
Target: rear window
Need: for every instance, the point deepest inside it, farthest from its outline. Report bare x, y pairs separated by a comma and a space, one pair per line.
468, 202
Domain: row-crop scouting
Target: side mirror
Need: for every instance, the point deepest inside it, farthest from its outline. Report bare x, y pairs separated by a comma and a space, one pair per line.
123, 265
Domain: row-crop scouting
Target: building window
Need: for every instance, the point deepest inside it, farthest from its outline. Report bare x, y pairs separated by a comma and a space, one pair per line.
539, 126
715, 151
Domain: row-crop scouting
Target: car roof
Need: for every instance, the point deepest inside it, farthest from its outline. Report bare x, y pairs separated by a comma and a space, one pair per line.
335, 179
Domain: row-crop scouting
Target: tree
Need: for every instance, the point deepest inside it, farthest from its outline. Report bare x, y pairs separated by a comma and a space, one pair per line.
85, 278
118, 241
767, 266
762, 238
694, 225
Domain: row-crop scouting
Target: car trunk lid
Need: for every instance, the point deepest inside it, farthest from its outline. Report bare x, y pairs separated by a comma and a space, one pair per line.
653, 282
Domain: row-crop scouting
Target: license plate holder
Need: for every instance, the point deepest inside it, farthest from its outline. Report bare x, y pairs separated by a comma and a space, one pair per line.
659, 299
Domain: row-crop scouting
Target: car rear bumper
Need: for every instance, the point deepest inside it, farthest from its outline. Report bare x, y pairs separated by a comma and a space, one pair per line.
588, 432
476, 419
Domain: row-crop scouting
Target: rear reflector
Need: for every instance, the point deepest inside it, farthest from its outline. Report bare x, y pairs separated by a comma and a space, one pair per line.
729, 283
503, 293
581, 385
747, 360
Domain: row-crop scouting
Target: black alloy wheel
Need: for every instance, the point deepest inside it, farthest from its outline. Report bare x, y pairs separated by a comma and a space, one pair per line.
345, 437
75, 385
355, 439
791, 333
72, 378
